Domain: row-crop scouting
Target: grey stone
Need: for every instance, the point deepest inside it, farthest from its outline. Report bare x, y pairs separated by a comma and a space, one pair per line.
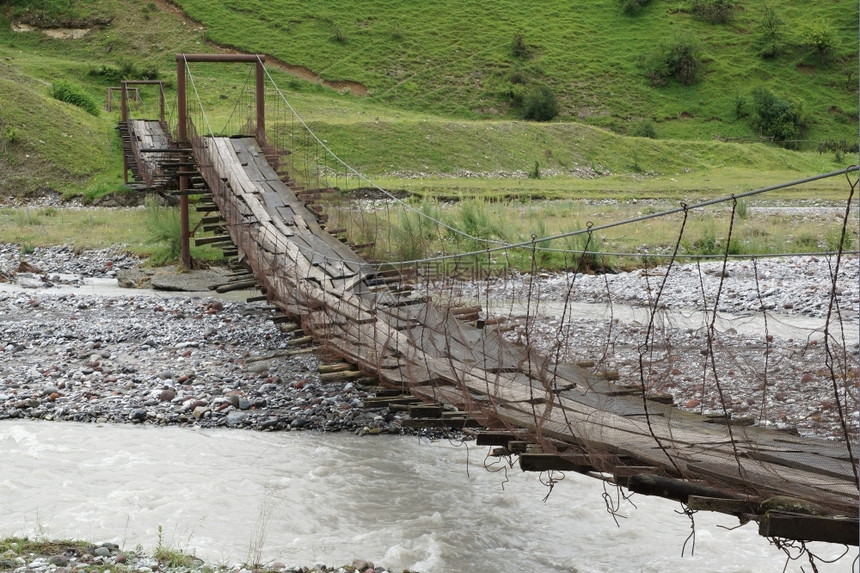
235, 419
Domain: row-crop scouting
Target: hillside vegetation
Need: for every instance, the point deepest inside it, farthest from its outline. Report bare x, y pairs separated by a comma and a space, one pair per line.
473, 59
429, 95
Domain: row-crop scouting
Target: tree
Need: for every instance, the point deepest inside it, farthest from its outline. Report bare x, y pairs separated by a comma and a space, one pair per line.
819, 36
770, 25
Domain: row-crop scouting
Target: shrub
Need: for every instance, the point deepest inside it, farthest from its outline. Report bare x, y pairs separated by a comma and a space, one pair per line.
820, 38
535, 172
519, 48
838, 145
645, 128
70, 93
519, 77
681, 61
540, 104
740, 107
126, 71
780, 119
714, 11
633, 7
338, 34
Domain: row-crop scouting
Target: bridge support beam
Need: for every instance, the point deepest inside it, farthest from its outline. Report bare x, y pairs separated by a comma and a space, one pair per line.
182, 61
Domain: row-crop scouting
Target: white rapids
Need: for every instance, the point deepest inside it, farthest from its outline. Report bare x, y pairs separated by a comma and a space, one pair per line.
301, 498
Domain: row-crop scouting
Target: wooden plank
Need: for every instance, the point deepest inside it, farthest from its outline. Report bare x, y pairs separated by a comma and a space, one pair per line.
808, 461
454, 423
809, 528
496, 437
582, 463
425, 411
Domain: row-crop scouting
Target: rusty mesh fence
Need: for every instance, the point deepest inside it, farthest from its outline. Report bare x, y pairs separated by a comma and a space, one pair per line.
690, 367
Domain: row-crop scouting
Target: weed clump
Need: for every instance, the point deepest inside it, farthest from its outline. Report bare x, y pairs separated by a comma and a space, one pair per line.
164, 233
68, 92
125, 71
10, 134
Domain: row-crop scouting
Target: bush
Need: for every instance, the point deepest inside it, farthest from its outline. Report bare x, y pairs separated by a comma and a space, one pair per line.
70, 93
714, 11
519, 49
540, 104
740, 107
519, 77
633, 7
681, 61
338, 34
780, 119
645, 128
820, 38
126, 71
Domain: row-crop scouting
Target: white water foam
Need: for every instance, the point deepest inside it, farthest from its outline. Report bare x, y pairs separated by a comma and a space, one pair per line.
234, 496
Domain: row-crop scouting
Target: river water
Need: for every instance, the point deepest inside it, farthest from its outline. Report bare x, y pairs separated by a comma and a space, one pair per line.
302, 497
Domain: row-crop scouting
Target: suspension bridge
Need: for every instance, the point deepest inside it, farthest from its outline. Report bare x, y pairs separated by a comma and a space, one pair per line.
264, 206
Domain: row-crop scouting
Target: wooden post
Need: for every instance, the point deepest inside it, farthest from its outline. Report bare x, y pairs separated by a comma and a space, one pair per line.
124, 119
261, 105
182, 137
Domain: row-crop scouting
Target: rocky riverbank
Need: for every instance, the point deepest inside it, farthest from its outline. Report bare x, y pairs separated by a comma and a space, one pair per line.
768, 345
69, 353
28, 556
154, 358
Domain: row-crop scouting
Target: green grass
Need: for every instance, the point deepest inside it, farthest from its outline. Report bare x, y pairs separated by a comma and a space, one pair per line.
145, 232
436, 119
407, 236
455, 58
428, 81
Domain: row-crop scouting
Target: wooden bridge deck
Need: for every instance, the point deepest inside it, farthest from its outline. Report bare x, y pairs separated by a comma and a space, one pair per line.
153, 159
583, 422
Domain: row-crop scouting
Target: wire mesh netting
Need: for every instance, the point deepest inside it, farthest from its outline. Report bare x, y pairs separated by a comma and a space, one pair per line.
704, 358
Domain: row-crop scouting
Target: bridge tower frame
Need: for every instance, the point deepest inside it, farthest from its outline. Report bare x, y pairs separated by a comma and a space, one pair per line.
182, 61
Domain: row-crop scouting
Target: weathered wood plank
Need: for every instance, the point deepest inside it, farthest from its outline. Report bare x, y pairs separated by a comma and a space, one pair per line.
810, 528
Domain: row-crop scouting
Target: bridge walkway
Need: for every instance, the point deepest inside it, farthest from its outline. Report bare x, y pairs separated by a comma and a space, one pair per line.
581, 421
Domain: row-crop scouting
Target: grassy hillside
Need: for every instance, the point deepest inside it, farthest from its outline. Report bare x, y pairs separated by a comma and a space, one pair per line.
438, 80
46, 144
459, 58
